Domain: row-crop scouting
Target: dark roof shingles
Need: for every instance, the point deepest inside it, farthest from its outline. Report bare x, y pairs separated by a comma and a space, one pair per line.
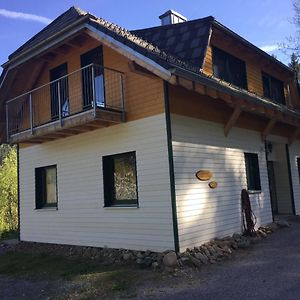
186, 40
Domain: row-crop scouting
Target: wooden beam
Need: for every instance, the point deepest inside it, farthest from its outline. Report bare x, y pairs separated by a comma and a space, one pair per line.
233, 118
268, 129
294, 136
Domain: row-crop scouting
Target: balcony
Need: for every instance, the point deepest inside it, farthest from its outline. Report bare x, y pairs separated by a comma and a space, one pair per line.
86, 99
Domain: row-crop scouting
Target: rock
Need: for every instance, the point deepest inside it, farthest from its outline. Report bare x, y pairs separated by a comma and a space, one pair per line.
282, 223
203, 258
186, 260
236, 236
155, 265
140, 255
211, 250
127, 256
147, 261
243, 243
261, 233
205, 251
196, 262
139, 261
170, 259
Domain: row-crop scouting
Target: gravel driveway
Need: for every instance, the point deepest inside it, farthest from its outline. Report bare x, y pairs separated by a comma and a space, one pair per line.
270, 270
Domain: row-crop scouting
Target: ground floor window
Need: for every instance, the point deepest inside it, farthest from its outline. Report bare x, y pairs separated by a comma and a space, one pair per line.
120, 180
252, 172
46, 187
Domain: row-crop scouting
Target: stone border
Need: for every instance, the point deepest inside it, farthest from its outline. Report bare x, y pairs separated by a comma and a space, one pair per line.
209, 253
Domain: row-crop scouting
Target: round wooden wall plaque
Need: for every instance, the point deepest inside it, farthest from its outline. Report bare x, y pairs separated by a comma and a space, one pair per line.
204, 175
213, 184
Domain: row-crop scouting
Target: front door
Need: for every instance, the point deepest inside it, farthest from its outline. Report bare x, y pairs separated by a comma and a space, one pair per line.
92, 88
59, 89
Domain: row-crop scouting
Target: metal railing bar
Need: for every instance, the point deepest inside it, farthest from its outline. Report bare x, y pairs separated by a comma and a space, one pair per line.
53, 81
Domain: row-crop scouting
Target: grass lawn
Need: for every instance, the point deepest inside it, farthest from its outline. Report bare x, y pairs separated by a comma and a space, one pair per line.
91, 279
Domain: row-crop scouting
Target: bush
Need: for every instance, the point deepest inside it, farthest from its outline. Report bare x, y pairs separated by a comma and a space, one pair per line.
9, 192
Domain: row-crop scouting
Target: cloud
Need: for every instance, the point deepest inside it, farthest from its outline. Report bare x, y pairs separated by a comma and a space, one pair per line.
24, 16
269, 48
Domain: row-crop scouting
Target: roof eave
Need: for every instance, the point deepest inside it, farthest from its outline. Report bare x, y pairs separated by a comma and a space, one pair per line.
53, 39
212, 83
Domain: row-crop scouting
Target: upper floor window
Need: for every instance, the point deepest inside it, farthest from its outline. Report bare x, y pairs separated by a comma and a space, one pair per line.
229, 68
273, 88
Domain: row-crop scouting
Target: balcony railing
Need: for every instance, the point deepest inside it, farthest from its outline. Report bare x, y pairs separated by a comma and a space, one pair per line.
90, 89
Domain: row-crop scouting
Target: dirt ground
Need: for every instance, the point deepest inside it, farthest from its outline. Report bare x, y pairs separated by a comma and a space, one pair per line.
267, 270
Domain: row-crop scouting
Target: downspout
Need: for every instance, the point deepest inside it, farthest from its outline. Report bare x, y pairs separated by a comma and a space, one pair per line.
171, 166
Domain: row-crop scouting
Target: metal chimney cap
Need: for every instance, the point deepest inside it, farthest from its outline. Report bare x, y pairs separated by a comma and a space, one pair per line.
172, 17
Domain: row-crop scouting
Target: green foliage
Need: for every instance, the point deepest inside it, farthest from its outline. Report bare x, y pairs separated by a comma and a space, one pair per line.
9, 192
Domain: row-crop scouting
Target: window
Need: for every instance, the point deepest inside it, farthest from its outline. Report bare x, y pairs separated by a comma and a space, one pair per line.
120, 180
252, 172
229, 68
273, 88
46, 187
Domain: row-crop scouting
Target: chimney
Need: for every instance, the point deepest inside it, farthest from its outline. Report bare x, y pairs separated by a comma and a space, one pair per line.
172, 17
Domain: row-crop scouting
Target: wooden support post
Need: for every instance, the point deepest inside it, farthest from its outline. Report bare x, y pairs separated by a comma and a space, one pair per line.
294, 136
268, 129
232, 120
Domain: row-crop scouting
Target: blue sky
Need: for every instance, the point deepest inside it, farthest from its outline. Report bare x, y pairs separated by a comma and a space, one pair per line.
265, 23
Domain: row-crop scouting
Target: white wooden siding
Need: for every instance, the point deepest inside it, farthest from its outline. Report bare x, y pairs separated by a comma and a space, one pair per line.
205, 213
282, 178
294, 152
81, 218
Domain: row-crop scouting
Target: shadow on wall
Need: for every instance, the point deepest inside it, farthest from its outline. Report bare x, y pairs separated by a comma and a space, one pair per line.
205, 213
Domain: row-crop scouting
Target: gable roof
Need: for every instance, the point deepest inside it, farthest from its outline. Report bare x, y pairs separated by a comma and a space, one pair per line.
70, 16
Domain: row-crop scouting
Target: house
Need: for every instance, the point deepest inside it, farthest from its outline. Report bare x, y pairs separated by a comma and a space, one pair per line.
113, 126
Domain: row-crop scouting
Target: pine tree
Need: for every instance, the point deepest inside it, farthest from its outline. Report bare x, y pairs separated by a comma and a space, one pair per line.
295, 65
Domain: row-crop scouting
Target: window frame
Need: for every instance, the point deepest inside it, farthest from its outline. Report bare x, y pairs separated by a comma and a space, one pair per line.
40, 195
230, 60
253, 180
272, 81
109, 184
